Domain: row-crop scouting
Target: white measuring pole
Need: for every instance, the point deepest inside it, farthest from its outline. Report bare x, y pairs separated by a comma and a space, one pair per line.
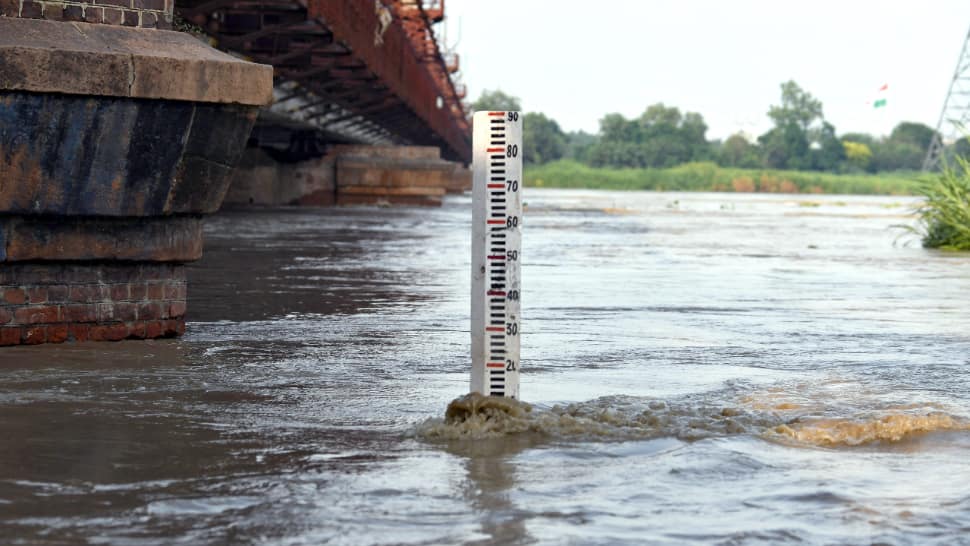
496, 252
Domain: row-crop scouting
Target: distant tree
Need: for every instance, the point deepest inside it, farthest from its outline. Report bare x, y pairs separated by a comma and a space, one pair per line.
959, 148
694, 130
904, 149
874, 146
857, 154
827, 151
617, 143
496, 100
894, 155
542, 139
797, 107
786, 146
737, 151
616, 128
578, 144
659, 119
910, 132
862, 138
660, 137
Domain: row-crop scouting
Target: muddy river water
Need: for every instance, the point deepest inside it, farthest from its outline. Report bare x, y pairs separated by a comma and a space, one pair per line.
700, 369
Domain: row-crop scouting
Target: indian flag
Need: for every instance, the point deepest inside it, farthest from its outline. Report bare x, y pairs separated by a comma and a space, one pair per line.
880, 100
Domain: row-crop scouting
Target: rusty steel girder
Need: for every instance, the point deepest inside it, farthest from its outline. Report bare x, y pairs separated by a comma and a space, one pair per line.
405, 58
372, 68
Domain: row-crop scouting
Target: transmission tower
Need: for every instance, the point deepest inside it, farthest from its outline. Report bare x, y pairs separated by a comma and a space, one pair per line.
955, 117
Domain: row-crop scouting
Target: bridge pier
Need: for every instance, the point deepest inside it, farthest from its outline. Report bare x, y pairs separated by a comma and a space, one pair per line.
261, 180
396, 175
348, 175
114, 143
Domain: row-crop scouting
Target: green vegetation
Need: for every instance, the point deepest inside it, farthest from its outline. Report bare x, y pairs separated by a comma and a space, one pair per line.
542, 139
660, 137
663, 138
496, 100
945, 215
708, 176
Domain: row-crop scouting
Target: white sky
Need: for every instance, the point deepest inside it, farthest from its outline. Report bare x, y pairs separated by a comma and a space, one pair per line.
576, 60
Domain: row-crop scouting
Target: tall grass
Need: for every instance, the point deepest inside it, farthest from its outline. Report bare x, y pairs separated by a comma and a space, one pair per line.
944, 217
706, 176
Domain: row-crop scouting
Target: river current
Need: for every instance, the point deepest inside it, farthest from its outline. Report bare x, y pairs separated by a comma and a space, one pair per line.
696, 369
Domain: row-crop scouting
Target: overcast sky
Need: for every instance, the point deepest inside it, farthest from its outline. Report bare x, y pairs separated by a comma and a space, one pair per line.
576, 60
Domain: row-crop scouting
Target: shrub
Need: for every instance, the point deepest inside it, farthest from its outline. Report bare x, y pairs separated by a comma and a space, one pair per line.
706, 176
944, 218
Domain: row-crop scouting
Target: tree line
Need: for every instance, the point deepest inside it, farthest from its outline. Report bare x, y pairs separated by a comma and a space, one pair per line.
663, 136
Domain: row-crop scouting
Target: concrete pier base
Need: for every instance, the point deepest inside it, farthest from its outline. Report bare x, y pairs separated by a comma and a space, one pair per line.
260, 180
348, 175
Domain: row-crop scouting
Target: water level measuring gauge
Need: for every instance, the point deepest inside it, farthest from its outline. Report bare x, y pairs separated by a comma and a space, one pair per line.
496, 252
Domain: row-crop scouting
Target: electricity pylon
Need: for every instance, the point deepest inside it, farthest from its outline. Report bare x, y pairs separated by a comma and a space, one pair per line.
955, 117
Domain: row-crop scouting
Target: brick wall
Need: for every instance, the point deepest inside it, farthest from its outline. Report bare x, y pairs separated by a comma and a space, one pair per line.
53, 303
131, 13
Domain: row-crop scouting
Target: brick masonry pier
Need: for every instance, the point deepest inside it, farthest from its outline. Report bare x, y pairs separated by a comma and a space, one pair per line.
131, 13
116, 138
52, 303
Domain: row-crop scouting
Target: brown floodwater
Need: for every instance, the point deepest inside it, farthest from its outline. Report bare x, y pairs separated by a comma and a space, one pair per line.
697, 369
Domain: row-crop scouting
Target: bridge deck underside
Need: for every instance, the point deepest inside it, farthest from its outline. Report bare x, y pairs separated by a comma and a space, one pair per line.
340, 67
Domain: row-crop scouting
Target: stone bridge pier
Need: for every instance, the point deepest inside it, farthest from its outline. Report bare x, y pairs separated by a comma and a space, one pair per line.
116, 138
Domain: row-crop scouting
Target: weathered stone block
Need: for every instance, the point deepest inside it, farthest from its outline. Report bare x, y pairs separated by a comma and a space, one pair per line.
32, 238
199, 186
93, 15
53, 12
154, 5
118, 3
68, 155
258, 179
149, 20
31, 9
105, 60
73, 13
113, 16
388, 152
